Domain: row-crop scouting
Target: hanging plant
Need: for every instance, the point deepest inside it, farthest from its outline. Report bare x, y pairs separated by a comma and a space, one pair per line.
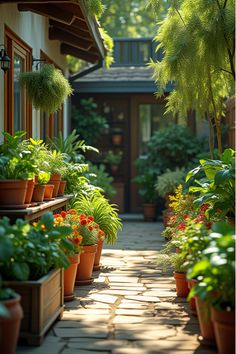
47, 88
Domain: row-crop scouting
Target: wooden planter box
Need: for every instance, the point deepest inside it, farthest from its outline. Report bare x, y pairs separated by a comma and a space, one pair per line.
42, 302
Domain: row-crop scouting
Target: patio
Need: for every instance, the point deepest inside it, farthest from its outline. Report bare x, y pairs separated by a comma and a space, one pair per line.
131, 308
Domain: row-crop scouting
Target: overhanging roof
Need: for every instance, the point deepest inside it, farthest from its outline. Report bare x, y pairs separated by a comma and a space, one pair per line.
69, 23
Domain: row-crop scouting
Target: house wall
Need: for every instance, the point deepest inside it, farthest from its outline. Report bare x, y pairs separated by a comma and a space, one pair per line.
33, 29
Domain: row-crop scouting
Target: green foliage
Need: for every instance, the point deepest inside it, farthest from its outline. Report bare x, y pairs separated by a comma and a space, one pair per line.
169, 181
87, 122
133, 20
32, 251
47, 88
94, 7
99, 178
218, 185
56, 162
199, 58
16, 162
215, 269
108, 44
146, 179
104, 214
173, 260
172, 147
113, 158
71, 146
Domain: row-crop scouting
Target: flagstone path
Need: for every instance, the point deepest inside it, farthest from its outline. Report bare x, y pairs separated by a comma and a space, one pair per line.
131, 308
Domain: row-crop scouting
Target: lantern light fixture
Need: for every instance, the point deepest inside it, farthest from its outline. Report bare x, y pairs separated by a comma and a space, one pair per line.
4, 59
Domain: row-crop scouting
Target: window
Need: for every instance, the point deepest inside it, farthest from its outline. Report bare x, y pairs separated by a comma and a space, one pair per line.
17, 108
151, 118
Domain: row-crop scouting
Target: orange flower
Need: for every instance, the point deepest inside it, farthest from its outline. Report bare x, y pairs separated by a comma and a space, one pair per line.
82, 216
90, 218
83, 222
72, 211
90, 228
63, 214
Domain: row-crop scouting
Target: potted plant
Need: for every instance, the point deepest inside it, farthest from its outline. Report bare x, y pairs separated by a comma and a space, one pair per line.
35, 271
114, 159
56, 167
146, 179
215, 270
104, 214
40, 187
177, 262
47, 88
10, 309
16, 167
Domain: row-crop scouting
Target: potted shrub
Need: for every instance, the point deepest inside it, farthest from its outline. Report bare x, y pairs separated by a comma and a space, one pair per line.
146, 179
216, 273
47, 88
40, 187
114, 159
35, 271
16, 167
104, 214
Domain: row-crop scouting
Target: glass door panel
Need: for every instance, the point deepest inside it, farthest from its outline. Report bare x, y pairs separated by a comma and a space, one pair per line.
18, 94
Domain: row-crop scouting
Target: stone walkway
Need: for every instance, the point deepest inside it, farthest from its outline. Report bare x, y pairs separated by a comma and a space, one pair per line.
131, 308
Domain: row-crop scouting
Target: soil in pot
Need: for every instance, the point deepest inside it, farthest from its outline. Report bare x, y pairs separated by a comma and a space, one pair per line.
13, 192
224, 327
96, 265
85, 267
182, 289
69, 277
55, 180
10, 327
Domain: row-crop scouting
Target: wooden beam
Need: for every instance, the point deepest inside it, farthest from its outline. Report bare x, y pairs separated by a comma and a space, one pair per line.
78, 53
74, 29
49, 10
61, 35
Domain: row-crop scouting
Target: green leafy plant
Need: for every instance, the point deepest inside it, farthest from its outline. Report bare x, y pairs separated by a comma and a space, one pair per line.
43, 177
218, 186
47, 88
169, 181
87, 122
32, 251
98, 177
215, 269
174, 261
114, 158
56, 162
146, 179
104, 214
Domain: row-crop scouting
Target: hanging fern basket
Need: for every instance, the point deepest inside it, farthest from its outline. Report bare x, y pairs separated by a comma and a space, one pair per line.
47, 89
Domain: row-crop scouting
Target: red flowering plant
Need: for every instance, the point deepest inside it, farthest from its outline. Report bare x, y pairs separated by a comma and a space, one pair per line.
85, 230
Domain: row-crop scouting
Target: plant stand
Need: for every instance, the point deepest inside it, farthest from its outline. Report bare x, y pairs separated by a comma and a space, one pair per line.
42, 303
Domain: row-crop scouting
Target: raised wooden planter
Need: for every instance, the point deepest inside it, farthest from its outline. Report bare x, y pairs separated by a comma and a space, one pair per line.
42, 302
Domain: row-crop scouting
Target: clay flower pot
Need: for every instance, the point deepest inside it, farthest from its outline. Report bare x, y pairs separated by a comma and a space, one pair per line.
61, 189
48, 191
192, 301
69, 277
182, 289
205, 322
85, 267
38, 193
55, 180
29, 192
96, 265
13, 192
149, 212
224, 327
10, 327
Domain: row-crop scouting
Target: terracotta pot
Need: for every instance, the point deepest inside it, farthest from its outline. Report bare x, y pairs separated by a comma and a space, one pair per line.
224, 326
55, 180
114, 168
38, 193
61, 189
13, 192
96, 265
149, 212
10, 327
69, 277
117, 139
182, 289
85, 267
48, 191
192, 301
205, 322
29, 191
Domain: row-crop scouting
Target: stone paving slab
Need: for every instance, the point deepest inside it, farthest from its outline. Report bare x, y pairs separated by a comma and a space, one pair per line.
131, 307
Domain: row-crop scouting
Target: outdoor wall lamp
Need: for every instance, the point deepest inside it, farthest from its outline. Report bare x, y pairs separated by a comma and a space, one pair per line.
4, 59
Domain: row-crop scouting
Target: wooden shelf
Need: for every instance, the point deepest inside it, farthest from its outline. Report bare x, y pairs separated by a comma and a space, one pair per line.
33, 213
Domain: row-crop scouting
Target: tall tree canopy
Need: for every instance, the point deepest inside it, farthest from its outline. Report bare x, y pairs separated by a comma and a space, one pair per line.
128, 18
197, 38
